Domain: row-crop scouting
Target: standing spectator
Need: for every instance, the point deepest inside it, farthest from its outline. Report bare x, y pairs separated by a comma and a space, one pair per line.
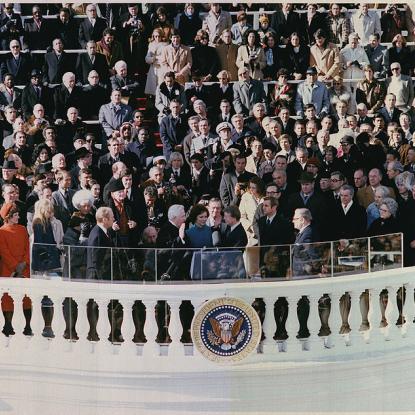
221, 92
125, 83
239, 28
272, 56
205, 61
387, 222
161, 22
110, 48
376, 54
324, 56
251, 55
370, 91
173, 129
135, 29
91, 61
234, 235
227, 53
296, 57
365, 23
216, 22
401, 86
153, 58
389, 111
166, 92
353, 58
17, 64
66, 29
94, 96
247, 92
399, 53
37, 31
338, 24
177, 58
391, 22
63, 196
285, 22
189, 24
366, 195
313, 92
11, 27
114, 114
57, 63
92, 27
310, 22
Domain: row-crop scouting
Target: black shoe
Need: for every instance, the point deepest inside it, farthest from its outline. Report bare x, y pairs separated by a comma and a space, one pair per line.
70, 335
93, 337
28, 331
48, 333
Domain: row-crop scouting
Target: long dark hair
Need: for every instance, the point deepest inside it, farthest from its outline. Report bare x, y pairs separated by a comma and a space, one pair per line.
257, 38
195, 211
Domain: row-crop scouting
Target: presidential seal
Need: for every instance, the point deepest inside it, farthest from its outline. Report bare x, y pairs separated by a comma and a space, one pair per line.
226, 330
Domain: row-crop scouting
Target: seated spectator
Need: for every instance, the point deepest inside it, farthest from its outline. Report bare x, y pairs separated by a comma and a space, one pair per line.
95, 95
92, 60
67, 95
387, 222
401, 54
401, 86
296, 57
127, 85
389, 111
16, 63
282, 94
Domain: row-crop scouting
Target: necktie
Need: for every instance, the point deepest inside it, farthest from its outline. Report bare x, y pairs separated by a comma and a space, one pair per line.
227, 231
268, 221
305, 199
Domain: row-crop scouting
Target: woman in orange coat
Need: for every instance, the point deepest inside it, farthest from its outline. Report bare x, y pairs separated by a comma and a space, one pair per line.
14, 262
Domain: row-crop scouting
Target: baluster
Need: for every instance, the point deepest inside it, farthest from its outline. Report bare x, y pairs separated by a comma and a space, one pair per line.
335, 321
291, 325
82, 325
151, 348
314, 323
392, 314
175, 329
103, 324
128, 328
375, 315
409, 311
269, 345
355, 319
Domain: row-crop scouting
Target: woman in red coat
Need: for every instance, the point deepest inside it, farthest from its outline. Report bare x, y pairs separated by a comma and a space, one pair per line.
14, 262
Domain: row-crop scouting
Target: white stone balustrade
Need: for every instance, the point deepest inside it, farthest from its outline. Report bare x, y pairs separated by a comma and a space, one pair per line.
81, 351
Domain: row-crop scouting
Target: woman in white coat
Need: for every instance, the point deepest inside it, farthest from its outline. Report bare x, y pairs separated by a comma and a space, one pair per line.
251, 55
154, 76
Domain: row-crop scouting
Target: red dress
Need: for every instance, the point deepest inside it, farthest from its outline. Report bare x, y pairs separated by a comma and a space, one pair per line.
14, 248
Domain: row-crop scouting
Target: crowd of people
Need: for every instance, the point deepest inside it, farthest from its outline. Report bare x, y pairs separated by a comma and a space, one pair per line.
182, 126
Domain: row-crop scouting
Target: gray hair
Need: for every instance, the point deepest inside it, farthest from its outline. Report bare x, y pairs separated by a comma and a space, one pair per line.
383, 190
174, 211
304, 213
391, 204
349, 188
395, 165
153, 170
176, 156
82, 196
406, 178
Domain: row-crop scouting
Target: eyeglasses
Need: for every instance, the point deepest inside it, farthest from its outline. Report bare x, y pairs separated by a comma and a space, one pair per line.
335, 180
395, 69
14, 46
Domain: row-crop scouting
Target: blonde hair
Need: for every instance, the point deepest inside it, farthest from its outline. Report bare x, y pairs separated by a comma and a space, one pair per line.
44, 211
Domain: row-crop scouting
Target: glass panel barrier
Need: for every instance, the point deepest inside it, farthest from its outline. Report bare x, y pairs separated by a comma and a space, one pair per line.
350, 256
386, 252
265, 263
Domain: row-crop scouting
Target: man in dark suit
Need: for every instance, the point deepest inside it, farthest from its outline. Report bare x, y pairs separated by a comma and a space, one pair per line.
234, 235
286, 123
11, 26
91, 61
67, 95
349, 218
37, 31
35, 93
201, 179
126, 84
63, 196
9, 95
230, 188
285, 22
100, 265
16, 63
313, 201
106, 161
92, 27
197, 91
389, 112
57, 63
95, 96
274, 229
173, 129
66, 28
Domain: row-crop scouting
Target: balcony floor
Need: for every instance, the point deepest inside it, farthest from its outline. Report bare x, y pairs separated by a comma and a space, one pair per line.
370, 383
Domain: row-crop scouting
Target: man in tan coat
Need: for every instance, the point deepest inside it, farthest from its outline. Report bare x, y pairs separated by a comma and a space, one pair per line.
177, 58
227, 53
